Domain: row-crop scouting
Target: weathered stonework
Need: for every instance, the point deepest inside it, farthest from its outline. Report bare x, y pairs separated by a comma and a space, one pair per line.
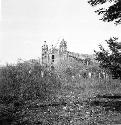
53, 55
62, 58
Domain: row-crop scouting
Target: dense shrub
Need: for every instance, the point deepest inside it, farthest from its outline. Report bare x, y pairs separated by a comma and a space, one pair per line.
24, 83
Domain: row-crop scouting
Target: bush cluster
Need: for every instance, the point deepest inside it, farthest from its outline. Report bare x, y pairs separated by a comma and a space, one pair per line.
22, 83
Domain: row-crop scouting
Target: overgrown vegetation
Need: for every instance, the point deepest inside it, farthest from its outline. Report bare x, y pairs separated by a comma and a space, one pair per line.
110, 60
32, 94
21, 86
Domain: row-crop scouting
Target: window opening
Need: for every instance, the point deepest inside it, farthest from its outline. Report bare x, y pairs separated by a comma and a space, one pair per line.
52, 58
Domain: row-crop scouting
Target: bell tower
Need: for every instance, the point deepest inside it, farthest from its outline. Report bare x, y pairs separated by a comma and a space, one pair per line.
45, 53
63, 46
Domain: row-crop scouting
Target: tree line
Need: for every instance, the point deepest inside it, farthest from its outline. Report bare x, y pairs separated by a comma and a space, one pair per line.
110, 60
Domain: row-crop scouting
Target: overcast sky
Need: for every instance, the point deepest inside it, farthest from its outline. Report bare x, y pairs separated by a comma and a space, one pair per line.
25, 24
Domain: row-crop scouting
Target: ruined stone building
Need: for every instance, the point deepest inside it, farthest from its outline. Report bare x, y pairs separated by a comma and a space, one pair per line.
51, 56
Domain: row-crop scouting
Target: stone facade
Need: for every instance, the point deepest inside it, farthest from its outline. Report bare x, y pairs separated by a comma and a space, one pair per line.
53, 55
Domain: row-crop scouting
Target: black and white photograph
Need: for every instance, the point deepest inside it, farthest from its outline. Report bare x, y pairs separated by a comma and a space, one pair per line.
60, 62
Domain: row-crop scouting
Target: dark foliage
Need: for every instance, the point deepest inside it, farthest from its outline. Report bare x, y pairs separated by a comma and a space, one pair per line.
110, 60
112, 13
21, 86
109, 103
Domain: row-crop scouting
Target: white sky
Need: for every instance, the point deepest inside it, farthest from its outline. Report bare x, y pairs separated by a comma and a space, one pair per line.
25, 24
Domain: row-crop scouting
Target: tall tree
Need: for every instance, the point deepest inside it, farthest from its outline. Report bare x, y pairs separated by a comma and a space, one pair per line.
110, 60
112, 13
